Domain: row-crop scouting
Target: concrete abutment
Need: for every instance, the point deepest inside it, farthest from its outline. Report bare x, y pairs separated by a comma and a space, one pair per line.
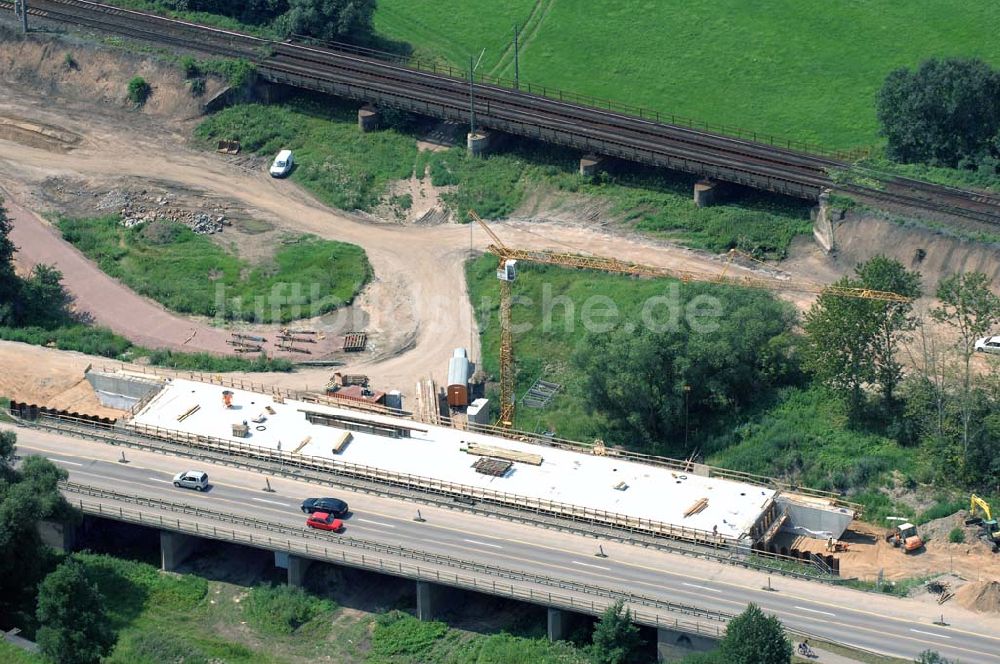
822, 216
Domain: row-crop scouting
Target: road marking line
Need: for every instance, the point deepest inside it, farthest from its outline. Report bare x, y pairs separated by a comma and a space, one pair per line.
494, 546
157, 479
273, 502
920, 631
577, 562
72, 463
825, 613
692, 585
376, 523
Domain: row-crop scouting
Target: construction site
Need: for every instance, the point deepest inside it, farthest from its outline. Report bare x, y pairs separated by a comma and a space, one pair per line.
403, 387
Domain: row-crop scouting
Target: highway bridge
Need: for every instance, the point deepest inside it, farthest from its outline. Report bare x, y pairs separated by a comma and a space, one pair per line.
452, 548
541, 114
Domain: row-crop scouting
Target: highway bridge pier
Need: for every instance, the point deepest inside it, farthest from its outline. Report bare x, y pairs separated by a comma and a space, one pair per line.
368, 118
175, 549
673, 644
706, 192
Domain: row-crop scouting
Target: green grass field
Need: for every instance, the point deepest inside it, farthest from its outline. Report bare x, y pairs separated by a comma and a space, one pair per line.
800, 69
189, 273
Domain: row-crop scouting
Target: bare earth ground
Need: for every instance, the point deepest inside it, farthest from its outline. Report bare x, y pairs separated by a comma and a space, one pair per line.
417, 306
416, 310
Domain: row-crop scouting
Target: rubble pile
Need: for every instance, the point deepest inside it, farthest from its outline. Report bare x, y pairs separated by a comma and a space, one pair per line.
141, 207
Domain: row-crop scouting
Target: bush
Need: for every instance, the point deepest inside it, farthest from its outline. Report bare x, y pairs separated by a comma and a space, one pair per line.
70, 61
138, 91
284, 609
149, 647
197, 87
956, 536
190, 67
399, 635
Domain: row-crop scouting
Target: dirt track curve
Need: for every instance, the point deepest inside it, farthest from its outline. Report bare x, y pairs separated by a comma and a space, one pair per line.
417, 303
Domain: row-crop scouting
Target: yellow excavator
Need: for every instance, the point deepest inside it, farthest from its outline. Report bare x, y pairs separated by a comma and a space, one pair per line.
988, 528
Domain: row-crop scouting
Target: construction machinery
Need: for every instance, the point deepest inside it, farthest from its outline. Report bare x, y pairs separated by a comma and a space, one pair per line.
989, 531
507, 274
905, 536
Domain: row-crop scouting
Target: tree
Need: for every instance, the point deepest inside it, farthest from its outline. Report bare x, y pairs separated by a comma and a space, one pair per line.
74, 621
648, 383
943, 113
931, 657
972, 309
755, 638
894, 320
331, 19
616, 638
43, 301
27, 495
9, 283
851, 342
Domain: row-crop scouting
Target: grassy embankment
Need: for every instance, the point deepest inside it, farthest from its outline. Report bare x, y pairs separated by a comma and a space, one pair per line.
348, 169
161, 617
783, 67
190, 273
799, 432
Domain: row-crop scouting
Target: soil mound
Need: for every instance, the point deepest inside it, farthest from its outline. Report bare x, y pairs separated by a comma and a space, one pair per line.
983, 596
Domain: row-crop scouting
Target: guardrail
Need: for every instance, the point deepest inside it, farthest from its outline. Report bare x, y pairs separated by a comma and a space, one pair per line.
344, 550
758, 560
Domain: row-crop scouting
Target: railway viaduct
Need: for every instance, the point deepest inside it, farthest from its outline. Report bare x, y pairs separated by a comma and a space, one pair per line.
543, 114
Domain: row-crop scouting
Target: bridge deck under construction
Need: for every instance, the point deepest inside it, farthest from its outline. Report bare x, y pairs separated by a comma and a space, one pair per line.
610, 484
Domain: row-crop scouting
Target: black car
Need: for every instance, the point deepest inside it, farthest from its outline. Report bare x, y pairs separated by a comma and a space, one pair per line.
333, 506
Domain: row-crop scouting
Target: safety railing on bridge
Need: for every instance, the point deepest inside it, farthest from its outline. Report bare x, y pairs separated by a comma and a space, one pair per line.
724, 552
392, 559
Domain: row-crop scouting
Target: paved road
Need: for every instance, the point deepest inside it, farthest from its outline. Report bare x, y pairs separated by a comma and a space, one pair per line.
884, 624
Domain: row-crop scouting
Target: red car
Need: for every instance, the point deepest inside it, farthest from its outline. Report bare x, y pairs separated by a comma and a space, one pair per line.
325, 521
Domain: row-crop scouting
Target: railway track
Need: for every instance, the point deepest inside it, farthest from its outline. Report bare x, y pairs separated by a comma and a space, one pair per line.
386, 81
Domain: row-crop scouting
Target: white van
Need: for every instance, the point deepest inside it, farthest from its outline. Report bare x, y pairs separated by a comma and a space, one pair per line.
283, 164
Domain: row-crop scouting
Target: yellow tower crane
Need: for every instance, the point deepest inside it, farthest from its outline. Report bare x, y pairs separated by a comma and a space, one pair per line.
507, 273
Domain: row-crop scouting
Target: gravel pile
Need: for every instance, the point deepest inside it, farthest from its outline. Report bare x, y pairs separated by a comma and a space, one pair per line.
141, 207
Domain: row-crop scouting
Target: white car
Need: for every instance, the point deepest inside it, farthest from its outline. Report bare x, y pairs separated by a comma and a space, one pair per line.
191, 479
283, 164
988, 345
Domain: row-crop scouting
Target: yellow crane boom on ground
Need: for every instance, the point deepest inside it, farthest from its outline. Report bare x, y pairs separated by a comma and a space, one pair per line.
507, 273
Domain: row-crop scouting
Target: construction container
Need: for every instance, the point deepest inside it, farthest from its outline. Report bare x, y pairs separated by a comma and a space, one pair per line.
458, 379
394, 400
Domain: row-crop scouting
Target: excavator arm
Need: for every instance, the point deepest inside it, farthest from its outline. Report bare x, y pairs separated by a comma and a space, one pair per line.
974, 502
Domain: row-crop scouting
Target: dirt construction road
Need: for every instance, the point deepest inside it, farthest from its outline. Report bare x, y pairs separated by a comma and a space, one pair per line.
417, 304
